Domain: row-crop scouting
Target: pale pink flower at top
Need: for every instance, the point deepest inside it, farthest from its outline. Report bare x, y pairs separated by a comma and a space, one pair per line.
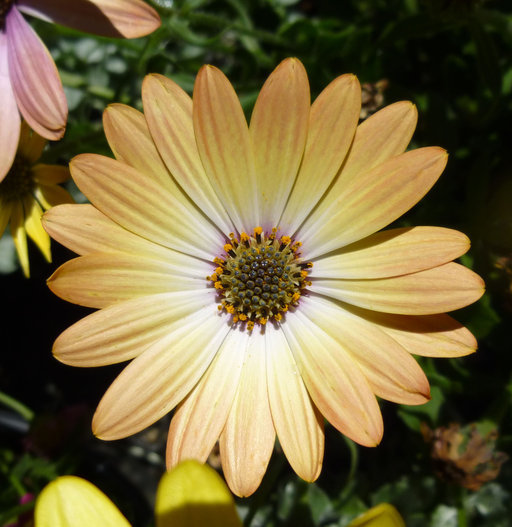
29, 80
242, 269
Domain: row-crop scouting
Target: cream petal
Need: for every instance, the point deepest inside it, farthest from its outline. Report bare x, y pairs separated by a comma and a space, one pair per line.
390, 371
332, 125
299, 425
123, 331
247, 441
109, 18
374, 199
382, 136
156, 381
334, 380
129, 138
225, 148
392, 253
9, 114
278, 131
426, 335
140, 205
35, 79
19, 236
85, 230
168, 112
445, 288
200, 418
33, 227
101, 279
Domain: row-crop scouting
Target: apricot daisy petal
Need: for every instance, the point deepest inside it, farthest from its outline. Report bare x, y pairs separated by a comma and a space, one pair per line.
158, 379
247, 441
349, 403
122, 331
137, 202
444, 288
332, 124
390, 371
278, 129
168, 111
200, 418
393, 252
225, 148
300, 432
101, 279
374, 199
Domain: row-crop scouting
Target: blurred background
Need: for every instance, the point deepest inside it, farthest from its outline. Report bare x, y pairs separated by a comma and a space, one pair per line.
439, 463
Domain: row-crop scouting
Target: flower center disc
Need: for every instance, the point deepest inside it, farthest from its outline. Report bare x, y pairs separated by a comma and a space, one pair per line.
18, 182
260, 277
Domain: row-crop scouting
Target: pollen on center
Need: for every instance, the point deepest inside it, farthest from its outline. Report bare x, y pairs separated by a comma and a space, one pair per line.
259, 277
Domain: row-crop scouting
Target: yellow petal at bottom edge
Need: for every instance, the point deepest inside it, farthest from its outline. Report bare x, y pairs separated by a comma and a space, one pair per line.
383, 515
70, 501
194, 495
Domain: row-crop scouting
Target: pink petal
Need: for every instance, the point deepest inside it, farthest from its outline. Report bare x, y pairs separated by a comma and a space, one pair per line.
110, 18
35, 79
9, 115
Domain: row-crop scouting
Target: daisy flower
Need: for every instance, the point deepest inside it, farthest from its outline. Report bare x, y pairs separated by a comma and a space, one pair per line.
29, 80
240, 269
27, 190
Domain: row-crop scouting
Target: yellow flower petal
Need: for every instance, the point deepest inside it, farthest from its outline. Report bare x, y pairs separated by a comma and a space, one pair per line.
383, 515
194, 495
122, 331
101, 279
278, 130
168, 111
334, 381
198, 421
300, 431
50, 174
5, 215
19, 235
247, 441
50, 196
139, 204
393, 252
220, 127
374, 199
444, 288
332, 124
31, 144
156, 381
70, 501
33, 227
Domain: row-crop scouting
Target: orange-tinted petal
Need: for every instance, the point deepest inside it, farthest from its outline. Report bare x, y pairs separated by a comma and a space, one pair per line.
299, 425
444, 288
393, 252
278, 130
156, 381
247, 441
373, 200
225, 147
332, 124
200, 418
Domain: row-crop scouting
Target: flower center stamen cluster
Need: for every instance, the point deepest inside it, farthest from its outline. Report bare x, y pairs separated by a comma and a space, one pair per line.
18, 182
260, 277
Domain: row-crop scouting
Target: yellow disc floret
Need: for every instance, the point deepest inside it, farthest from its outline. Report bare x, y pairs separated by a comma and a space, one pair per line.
260, 277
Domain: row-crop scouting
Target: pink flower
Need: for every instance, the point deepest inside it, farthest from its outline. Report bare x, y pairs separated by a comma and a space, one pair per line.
29, 80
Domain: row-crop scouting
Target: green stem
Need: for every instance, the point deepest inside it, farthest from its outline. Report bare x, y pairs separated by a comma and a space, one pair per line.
15, 405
